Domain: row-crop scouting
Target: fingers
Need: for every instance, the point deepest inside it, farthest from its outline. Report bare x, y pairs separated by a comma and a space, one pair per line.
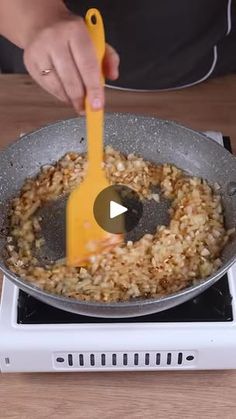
111, 63
84, 55
67, 48
69, 76
51, 82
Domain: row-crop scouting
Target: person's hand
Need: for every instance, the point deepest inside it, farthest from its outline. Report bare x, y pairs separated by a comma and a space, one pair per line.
66, 49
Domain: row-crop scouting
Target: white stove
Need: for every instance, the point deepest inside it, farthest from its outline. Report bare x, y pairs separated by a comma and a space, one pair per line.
199, 334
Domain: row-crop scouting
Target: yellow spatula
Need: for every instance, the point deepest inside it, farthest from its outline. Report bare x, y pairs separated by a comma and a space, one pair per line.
84, 236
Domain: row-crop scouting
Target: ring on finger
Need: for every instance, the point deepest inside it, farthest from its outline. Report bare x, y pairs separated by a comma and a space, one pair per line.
46, 71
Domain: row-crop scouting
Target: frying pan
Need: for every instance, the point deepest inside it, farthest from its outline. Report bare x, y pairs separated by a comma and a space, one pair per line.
155, 140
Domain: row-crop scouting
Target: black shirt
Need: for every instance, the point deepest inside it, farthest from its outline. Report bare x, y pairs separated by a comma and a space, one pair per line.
166, 44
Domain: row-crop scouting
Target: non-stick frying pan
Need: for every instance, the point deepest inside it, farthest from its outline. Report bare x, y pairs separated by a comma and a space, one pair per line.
155, 140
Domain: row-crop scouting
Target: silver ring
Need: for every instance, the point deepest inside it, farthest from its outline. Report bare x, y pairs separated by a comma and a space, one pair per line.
46, 72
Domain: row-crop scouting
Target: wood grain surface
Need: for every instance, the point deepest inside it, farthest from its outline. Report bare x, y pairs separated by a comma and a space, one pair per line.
210, 394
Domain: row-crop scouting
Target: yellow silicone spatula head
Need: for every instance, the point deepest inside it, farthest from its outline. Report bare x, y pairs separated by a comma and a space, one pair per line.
84, 236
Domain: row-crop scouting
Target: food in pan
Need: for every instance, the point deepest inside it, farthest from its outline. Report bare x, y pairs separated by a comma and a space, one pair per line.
175, 257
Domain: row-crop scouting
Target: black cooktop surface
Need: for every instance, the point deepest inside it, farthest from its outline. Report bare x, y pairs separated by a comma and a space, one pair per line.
212, 305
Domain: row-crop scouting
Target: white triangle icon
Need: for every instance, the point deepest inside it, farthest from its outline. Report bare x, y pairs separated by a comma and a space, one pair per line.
116, 209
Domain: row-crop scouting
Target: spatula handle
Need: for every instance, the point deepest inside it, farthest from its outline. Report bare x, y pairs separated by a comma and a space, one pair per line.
95, 119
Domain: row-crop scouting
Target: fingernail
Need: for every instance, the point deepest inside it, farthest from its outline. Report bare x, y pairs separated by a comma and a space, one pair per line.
115, 74
96, 103
117, 56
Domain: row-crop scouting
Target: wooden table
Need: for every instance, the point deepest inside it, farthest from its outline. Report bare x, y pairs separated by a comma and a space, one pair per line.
212, 394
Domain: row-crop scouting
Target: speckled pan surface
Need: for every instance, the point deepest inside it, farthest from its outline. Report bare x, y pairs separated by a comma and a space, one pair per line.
156, 140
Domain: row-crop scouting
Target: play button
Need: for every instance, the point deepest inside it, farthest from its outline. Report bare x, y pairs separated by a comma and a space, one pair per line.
118, 209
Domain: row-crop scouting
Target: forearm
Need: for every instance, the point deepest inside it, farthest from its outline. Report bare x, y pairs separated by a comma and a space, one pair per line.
20, 20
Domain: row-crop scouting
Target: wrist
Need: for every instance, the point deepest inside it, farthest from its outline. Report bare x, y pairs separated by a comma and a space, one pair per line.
37, 23
21, 20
